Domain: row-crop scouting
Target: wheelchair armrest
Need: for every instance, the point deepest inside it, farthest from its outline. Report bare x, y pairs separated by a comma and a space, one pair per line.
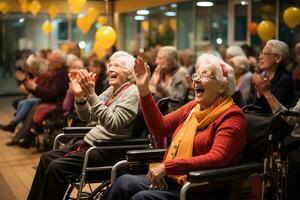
288, 113
147, 155
102, 143
227, 173
68, 130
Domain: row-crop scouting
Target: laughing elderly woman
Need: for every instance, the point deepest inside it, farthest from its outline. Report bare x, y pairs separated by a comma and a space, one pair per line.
208, 132
114, 109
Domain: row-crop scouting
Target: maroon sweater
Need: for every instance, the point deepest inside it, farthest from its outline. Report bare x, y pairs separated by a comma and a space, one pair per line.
220, 144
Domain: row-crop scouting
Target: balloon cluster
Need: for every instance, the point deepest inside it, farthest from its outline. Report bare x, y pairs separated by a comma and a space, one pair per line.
84, 22
105, 37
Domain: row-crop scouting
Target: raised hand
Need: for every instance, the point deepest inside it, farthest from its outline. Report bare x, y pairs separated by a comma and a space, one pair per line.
142, 76
261, 84
87, 82
75, 86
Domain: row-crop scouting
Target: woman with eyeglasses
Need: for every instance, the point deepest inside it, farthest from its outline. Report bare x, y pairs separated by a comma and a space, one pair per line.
273, 59
208, 132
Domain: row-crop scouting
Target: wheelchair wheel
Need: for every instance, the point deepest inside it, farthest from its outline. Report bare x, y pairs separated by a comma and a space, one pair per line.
69, 193
99, 192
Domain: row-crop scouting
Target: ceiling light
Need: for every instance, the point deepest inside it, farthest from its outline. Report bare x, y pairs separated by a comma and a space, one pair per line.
170, 14
204, 3
139, 17
143, 12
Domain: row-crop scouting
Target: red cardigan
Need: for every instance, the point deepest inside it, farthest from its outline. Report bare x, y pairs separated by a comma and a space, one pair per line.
220, 144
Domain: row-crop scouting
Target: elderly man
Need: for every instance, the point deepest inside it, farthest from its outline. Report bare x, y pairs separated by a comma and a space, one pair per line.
115, 110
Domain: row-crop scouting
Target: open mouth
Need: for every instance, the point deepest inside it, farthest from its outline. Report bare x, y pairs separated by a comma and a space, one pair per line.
199, 90
112, 75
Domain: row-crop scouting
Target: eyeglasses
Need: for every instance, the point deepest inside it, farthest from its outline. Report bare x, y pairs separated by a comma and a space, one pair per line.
267, 53
203, 76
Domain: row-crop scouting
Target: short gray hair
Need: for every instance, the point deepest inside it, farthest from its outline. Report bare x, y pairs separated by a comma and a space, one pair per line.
235, 50
241, 62
281, 48
127, 60
223, 71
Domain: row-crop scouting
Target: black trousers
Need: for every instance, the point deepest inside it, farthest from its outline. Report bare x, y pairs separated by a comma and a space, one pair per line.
56, 168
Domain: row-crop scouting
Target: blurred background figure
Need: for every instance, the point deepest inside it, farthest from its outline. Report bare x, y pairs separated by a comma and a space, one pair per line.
187, 59
99, 68
242, 74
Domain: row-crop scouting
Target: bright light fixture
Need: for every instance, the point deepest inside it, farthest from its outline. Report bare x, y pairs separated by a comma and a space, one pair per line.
170, 14
243, 3
21, 20
143, 12
82, 44
219, 41
204, 3
139, 17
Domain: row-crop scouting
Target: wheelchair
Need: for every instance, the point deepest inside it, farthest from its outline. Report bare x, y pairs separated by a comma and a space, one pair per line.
265, 134
101, 175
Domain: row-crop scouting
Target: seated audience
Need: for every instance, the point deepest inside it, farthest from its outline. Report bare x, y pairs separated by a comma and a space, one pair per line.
115, 110
207, 133
272, 60
36, 67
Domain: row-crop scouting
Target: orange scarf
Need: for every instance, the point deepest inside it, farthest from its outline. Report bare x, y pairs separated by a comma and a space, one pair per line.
182, 143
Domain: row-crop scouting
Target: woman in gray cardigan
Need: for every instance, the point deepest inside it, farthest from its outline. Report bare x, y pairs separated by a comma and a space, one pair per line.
114, 110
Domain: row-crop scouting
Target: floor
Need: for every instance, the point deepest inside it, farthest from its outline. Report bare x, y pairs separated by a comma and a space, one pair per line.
16, 164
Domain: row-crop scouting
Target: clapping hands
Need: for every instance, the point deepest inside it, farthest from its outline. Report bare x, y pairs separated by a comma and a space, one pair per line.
82, 83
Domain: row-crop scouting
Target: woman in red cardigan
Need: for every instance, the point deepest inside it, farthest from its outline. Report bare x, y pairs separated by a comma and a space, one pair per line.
208, 132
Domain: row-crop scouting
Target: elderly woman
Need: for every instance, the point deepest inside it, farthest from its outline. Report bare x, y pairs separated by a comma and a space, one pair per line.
273, 59
242, 74
208, 132
168, 79
37, 68
114, 109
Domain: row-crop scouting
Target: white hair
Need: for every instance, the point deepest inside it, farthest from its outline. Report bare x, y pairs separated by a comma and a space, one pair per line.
125, 58
70, 58
241, 63
280, 48
235, 50
222, 70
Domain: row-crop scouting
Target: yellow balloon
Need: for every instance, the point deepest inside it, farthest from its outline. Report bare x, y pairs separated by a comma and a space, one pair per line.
99, 51
83, 23
145, 26
4, 7
102, 20
92, 13
266, 30
52, 11
291, 16
76, 5
47, 27
106, 36
24, 7
35, 7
